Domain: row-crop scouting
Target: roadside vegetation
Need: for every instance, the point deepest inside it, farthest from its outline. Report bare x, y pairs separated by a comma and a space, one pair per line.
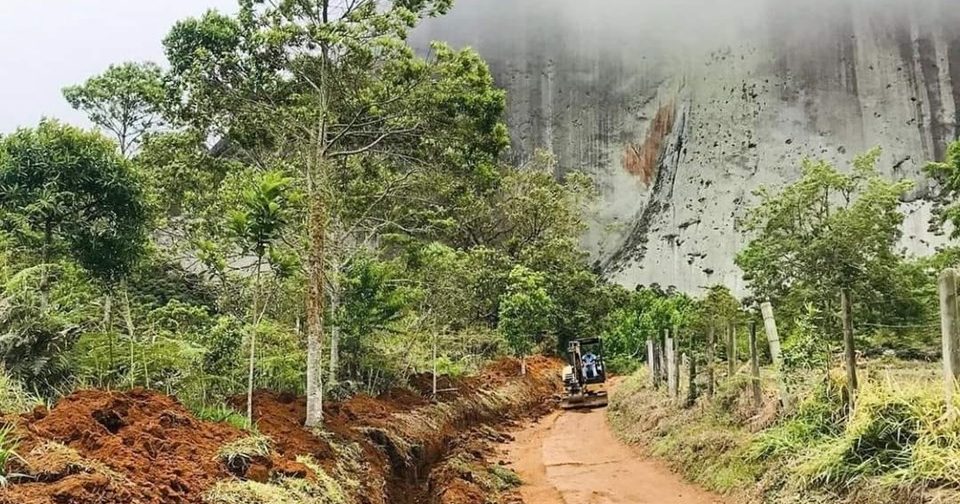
293, 202
809, 429
297, 202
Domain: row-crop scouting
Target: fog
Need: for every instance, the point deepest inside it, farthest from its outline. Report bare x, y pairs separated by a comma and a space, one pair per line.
658, 27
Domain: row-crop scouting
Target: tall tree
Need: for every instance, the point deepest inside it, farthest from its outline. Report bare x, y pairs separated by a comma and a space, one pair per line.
256, 226
125, 100
333, 89
827, 233
66, 193
525, 312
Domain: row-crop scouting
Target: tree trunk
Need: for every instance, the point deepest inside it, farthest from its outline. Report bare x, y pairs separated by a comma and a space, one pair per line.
711, 342
255, 320
315, 305
107, 311
849, 348
334, 283
108, 323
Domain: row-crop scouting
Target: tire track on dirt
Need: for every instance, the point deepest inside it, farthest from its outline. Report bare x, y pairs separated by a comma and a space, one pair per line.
574, 457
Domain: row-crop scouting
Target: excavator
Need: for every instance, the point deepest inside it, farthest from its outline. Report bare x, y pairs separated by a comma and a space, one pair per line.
584, 374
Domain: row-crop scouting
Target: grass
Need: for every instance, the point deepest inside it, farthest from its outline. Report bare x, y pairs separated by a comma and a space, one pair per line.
221, 413
237, 455
321, 489
14, 398
8, 453
898, 441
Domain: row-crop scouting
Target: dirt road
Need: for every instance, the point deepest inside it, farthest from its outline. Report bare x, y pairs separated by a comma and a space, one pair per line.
574, 458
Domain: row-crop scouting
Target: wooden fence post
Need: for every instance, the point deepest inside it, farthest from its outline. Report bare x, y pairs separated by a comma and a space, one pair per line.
755, 366
950, 334
770, 326
676, 358
849, 348
652, 362
711, 341
731, 351
671, 355
662, 357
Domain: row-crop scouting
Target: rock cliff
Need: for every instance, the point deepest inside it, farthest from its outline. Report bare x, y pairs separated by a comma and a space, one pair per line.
680, 109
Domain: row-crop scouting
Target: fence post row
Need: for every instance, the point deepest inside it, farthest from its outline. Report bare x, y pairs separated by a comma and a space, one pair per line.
950, 333
770, 326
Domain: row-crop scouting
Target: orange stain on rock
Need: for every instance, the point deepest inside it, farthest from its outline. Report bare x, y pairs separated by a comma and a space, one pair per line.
641, 159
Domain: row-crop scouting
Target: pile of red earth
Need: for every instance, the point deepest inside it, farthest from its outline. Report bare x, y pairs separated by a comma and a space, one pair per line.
144, 447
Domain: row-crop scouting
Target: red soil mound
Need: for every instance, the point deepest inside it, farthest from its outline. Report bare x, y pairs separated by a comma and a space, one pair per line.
154, 449
146, 448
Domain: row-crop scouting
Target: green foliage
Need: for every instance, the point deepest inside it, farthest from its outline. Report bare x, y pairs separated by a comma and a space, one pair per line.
125, 100
947, 173
8, 447
221, 413
65, 191
827, 231
269, 125
14, 398
645, 314
264, 211
38, 328
804, 348
525, 310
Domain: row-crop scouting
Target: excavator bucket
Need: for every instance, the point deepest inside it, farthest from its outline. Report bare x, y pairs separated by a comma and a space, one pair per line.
591, 400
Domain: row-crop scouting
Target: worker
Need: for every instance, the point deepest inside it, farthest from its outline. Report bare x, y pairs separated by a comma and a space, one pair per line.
589, 365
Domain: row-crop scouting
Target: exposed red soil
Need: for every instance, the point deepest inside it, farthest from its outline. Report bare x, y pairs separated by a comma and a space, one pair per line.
162, 453
145, 447
641, 159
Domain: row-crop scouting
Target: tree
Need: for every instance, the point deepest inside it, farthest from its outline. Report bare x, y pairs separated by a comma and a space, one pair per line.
256, 226
125, 100
334, 90
947, 173
525, 312
65, 192
825, 232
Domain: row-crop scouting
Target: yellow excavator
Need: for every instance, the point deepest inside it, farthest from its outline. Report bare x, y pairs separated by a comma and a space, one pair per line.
584, 375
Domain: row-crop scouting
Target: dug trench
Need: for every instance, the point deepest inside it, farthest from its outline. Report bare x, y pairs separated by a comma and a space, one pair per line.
402, 447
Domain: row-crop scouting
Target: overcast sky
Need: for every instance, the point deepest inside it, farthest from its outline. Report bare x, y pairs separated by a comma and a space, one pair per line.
48, 44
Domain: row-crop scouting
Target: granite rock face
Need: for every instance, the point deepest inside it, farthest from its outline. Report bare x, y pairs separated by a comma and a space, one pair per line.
680, 109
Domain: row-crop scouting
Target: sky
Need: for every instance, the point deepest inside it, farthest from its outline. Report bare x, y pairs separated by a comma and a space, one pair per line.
48, 44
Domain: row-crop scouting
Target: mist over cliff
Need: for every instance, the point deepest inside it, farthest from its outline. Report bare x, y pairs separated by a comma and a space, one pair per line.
680, 109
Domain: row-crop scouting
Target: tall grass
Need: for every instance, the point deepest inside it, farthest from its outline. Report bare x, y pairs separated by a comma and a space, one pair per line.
900, 437
8, 446
14, 398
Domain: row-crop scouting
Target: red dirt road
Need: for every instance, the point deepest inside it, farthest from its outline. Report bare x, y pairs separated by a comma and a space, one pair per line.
574, 458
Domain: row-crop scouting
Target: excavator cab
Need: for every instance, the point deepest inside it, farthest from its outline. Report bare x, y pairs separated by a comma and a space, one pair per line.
585, 371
